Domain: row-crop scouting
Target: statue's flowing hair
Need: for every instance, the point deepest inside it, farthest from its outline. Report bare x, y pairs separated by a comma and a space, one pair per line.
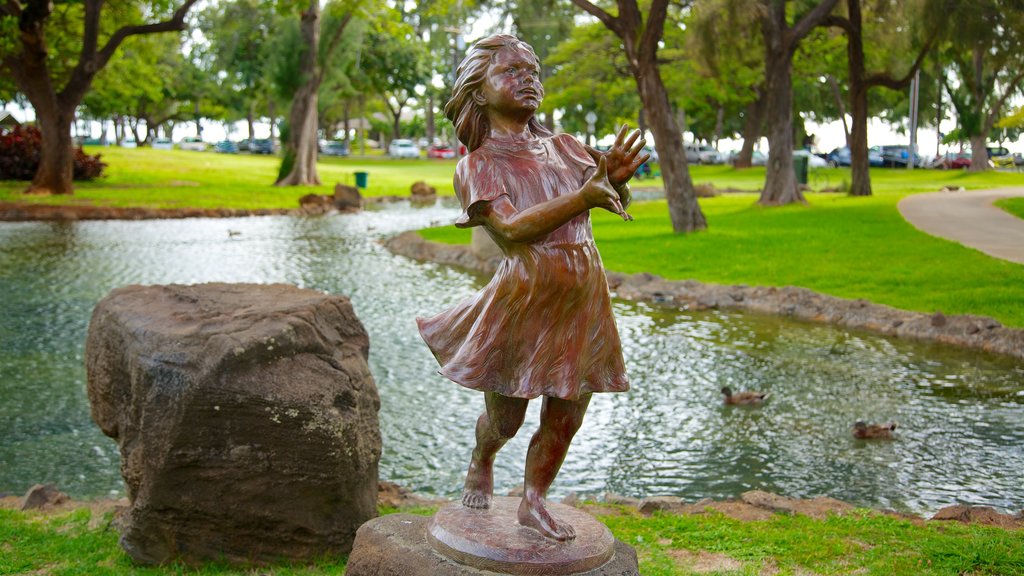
469, 118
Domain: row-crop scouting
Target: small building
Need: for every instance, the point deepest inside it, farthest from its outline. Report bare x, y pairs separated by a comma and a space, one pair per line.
8, 121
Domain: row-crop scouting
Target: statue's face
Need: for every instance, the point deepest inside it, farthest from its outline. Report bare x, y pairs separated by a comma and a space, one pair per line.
513, 85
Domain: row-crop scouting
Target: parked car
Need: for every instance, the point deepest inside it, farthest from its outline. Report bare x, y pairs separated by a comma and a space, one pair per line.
813, 160
442, 151
163, 144
129, 143
843, 157
335, 148
192, 143
757, 158
952, 161
654, 154
226, 147
402, 148
262, 146
996, 151
897, 156
707, 155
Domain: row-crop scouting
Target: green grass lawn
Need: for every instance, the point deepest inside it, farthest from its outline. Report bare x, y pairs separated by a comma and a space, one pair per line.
1014, 206
836, 244
142, 177
76, 543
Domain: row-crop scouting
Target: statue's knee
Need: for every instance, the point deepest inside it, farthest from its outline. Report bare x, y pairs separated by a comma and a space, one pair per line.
507, 428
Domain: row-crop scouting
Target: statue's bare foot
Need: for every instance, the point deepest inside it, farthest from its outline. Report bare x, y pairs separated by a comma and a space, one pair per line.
479, 486
533, 514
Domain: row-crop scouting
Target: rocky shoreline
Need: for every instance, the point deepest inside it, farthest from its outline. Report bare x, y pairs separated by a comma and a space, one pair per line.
755, 505
966, 331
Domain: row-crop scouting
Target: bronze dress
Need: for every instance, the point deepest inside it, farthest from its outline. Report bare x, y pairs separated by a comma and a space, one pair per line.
543, 326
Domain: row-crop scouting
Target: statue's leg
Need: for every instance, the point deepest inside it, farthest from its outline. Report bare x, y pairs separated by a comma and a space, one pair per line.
559, 421
499, 423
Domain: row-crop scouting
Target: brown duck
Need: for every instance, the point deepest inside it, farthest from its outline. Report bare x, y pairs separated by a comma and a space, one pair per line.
743, 398
873, 431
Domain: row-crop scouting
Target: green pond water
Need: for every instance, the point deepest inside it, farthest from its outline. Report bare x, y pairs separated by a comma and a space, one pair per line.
961, 414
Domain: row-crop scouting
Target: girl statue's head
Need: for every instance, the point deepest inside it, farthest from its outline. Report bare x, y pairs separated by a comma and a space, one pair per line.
469, 117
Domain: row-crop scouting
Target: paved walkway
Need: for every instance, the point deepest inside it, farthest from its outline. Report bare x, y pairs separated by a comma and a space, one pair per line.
970, 219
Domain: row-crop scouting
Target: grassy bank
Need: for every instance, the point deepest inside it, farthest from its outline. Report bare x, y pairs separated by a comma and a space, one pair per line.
847, 247
1014, 206
81, 542
146, 178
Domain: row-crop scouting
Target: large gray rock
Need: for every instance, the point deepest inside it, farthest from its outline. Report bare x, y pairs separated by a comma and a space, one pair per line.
246, 417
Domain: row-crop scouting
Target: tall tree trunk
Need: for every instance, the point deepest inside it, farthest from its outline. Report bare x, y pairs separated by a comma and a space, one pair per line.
858, 139
683, 209
780, 186
301, 148
780, 42
979, 153
57, 157
429, 118
859, 161
752, 123
719, 121
837, 94
250, 121
640, 40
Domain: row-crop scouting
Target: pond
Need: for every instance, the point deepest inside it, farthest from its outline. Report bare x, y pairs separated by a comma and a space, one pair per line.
961, 414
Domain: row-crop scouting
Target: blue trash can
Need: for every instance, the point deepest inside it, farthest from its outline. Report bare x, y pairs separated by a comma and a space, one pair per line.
362, 179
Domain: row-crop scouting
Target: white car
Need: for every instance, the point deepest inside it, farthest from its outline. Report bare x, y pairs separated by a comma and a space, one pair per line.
163, 144
401, 148
192, 143
813, 161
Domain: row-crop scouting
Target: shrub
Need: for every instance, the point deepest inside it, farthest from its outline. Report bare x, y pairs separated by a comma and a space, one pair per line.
21, 147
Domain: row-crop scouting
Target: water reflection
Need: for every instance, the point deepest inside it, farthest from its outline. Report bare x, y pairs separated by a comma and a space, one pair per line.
960, 413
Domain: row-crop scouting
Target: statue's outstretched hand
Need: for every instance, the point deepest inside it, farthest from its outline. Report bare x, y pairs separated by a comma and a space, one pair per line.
624, 158
598, 191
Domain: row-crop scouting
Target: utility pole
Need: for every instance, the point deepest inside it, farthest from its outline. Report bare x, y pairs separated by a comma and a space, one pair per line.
914, 93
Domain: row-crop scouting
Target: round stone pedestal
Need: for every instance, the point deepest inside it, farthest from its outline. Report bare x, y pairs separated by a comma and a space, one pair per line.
460, 541
493, 540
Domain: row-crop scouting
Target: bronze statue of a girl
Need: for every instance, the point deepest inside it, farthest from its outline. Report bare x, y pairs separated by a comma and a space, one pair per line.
543, 326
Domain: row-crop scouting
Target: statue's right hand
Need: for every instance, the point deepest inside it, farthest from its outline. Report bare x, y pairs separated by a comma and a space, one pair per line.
598, 192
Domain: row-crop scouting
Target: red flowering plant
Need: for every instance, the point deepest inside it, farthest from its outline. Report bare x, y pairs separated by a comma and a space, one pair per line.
21, 147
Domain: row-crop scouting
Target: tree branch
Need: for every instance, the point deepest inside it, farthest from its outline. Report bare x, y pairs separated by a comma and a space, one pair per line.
810, 20
888, 81
838, 22
335, 41
607, 19
1011, 88
655, 28
176, 23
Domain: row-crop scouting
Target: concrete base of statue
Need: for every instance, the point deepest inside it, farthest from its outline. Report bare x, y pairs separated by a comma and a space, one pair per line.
460, 541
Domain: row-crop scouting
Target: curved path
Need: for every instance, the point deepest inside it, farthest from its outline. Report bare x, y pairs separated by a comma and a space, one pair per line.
970, 219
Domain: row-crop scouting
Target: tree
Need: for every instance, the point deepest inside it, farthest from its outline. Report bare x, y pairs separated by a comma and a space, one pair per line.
780, 43
985, 45
590, 73
240, 34
860, 82
640, 41
300, 152
395, 66
55, 92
